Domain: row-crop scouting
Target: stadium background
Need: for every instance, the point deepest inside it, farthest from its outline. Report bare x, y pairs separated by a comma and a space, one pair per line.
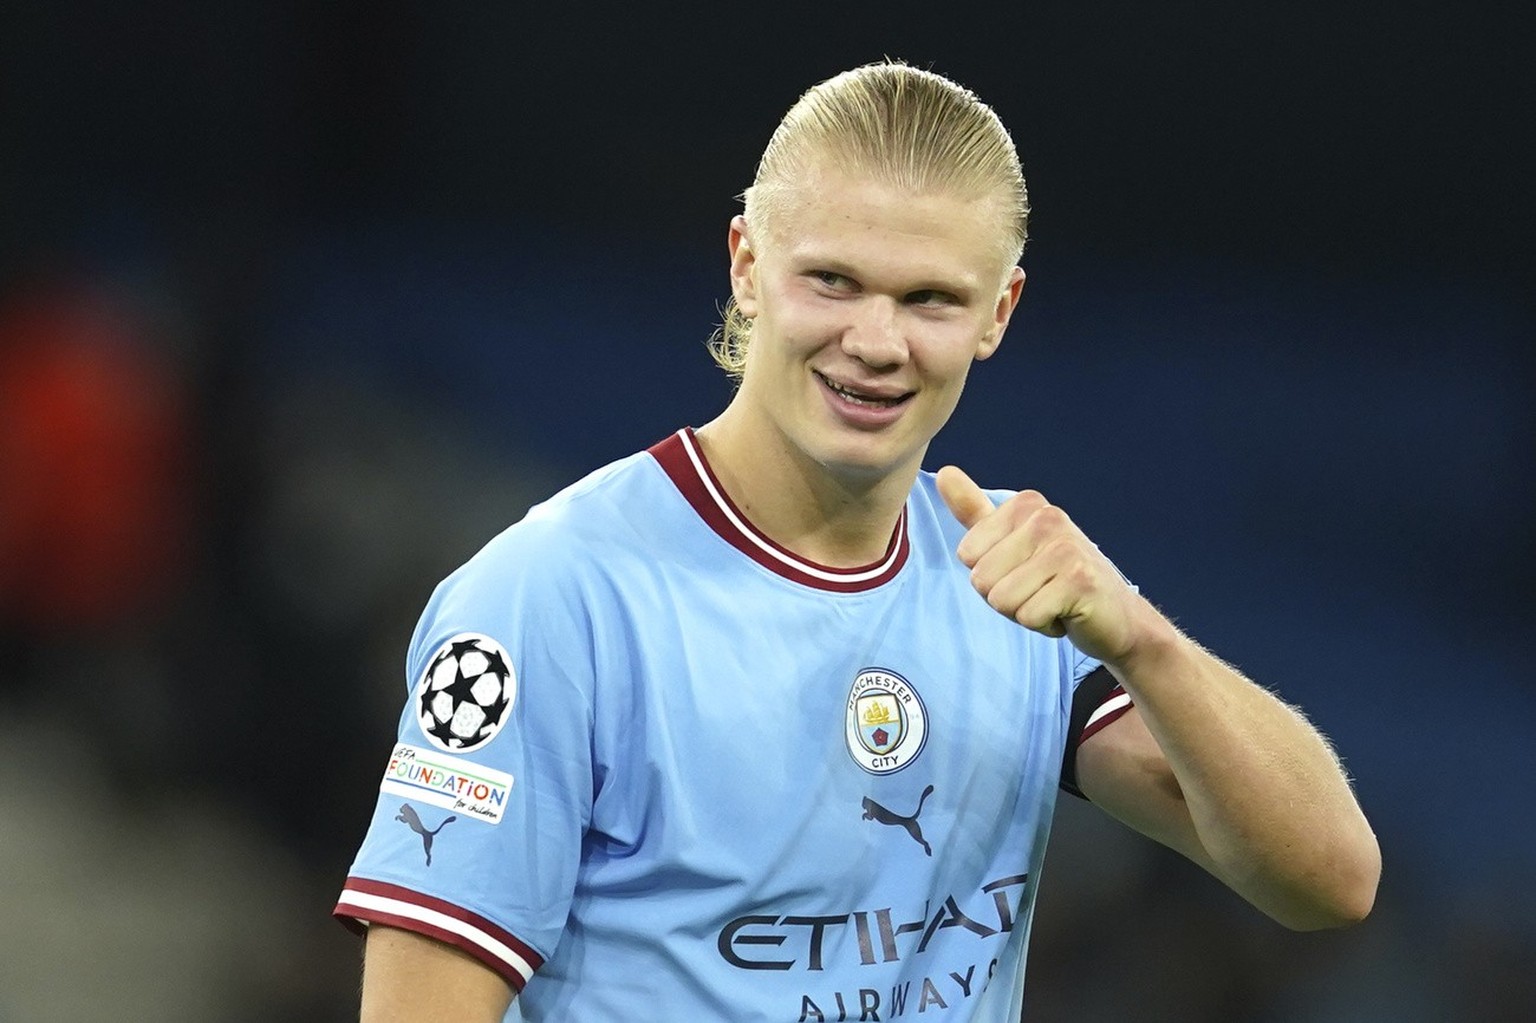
299, 303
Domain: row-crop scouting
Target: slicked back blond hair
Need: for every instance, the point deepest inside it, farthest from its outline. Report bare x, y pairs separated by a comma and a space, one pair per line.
896, 124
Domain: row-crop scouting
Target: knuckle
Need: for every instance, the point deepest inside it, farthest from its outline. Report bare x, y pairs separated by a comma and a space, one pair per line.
998, 600
1060, 552
1053, 517
1025, 504
1034, 620
1082, 577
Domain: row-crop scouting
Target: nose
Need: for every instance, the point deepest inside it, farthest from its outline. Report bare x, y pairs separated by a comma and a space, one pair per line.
874, 336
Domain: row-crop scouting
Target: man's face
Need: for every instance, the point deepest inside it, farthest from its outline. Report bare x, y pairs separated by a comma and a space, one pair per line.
869, 304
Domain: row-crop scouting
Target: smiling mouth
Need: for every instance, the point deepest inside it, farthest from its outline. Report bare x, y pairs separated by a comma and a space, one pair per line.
859, 398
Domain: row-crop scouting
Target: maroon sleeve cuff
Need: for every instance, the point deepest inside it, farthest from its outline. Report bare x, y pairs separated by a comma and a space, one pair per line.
365, 902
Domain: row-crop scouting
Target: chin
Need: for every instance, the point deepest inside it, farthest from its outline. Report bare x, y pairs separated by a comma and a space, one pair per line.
866, 463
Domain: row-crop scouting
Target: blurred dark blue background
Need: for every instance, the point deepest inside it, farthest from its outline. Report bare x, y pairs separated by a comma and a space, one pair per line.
299, 304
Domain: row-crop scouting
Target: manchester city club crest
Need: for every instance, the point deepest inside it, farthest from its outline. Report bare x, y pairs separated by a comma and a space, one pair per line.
886, 724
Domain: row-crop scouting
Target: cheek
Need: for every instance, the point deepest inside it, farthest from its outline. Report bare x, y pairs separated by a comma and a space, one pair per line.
800, 325
949, 393
949, 352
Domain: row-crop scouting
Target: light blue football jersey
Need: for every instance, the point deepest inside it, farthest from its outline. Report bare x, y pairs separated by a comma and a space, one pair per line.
655, 766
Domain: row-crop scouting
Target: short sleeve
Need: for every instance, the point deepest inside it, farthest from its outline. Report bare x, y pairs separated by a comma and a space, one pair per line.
487, 790
1097, 699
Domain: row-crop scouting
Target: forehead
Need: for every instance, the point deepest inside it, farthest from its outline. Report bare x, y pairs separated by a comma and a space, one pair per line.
830, 214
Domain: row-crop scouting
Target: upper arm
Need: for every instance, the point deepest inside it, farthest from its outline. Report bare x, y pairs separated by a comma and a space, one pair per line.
1121, 769
475, 836
408, 977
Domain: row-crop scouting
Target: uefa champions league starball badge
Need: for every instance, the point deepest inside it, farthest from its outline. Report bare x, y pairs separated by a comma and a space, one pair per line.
466, 693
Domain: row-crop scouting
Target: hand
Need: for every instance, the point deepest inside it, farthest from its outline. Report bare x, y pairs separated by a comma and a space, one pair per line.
1033, 565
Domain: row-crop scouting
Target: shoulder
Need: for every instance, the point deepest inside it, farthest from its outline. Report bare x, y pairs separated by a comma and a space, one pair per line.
546, 566
543, 589
586, 520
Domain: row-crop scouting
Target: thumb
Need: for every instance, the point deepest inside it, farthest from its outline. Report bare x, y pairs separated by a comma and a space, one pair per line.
965, 499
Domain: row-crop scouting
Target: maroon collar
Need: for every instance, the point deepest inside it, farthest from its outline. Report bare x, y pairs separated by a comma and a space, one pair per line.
683, 460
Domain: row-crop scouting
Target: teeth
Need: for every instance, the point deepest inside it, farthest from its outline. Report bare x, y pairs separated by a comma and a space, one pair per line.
860, 399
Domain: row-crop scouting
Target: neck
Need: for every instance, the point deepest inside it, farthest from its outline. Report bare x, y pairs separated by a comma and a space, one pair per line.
842, 520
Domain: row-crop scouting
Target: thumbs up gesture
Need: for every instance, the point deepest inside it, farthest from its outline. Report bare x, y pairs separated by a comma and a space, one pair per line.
1033, 565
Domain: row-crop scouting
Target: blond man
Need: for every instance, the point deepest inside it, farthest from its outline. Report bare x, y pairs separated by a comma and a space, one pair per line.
766, 722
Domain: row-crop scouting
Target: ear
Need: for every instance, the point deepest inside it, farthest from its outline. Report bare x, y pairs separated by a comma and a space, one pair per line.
743, 265
1007, 302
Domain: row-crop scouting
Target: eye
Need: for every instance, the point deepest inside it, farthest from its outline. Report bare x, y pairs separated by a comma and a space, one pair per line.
931, 297
828, 279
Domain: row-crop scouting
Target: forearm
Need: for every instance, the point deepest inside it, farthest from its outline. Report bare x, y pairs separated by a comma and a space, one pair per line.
1267, 799
1214, 765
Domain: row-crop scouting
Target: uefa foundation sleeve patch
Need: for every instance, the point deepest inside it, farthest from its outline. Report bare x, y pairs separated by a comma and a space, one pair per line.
463, 786
466, 693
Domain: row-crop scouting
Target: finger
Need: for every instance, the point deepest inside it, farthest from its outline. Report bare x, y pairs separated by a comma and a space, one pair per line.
1016, 575
1062, 592
1049, 608
1010, 581
1040, 596
1014, 521
991, 564
967, 502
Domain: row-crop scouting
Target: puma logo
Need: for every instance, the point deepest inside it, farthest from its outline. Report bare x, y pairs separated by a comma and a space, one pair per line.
411, 819
873, 811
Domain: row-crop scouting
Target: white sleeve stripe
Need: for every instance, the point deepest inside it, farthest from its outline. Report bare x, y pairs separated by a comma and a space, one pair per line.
1109, 706
469, 932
